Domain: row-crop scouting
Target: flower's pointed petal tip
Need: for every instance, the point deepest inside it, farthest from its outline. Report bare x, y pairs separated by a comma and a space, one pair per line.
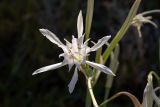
80, 12
49, 67
40, 70
80, 24
108, 37
34, 73
101, 68
73, 81
45, 32
70, 90
113, 74
42, 30
156, 26
108, 71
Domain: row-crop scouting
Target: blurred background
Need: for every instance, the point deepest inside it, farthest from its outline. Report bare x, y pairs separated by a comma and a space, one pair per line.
23, 50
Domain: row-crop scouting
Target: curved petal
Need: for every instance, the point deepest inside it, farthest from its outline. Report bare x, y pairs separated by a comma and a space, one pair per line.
50, 67
148, 93
73, 81
152, 23
156, 99
100, 43
51, 36
80, 24
100, 67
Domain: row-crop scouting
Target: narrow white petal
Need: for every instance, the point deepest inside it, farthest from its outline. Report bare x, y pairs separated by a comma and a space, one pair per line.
152, 23
100, 43
50, 67
61, 55
74, 44
51, 36
80, 41
68, 44
148, 93
100, 67
78, 66
147, 96
156, 99
73, 81
70, 66
80, 24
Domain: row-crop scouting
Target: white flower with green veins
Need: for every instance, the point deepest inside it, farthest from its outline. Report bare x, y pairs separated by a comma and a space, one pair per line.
75, 53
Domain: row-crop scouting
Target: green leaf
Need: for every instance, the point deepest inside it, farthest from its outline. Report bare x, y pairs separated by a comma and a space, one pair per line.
123, 30
131, 96
114, 63
89, 16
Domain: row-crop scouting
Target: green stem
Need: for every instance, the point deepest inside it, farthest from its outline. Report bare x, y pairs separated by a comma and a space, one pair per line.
89, 16
98, 55
123, 30
108, 87
113, 66
88, 99
91, 93
159, 50
106, 94
156, 76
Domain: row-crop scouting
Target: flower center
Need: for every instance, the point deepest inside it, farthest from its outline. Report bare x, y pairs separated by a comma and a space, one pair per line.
78, 58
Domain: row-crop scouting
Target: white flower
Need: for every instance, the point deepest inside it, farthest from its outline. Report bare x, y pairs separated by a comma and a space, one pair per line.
75, 53
141, 19
149, 94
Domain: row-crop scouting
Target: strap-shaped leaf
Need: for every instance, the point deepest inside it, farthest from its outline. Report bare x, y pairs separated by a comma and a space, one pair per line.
122, 30
131, 96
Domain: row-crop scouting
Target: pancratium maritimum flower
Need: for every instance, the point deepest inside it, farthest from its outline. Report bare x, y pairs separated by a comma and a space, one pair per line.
75, 53
141, 19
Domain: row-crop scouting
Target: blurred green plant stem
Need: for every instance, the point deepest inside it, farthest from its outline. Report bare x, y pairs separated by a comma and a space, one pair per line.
89, 17
112, 45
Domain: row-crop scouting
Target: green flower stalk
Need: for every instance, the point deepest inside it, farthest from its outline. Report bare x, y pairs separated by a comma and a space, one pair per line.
88, 23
